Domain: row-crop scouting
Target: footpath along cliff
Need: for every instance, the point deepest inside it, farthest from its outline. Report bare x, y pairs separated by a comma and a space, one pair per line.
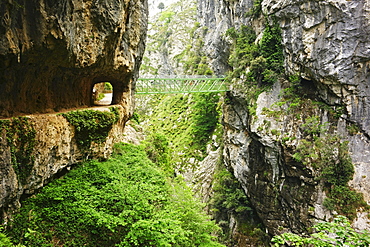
52, 53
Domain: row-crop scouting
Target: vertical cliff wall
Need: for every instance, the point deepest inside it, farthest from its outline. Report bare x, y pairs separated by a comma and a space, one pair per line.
52, 52
326, 47
51, 55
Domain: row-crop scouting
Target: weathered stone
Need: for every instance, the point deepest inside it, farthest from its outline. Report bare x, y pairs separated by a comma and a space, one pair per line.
327, 44
53, 52
55, 150
328, 41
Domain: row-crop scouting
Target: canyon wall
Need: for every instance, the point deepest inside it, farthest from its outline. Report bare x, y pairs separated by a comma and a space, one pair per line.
37, 148
326, 46
169, 38
53, 52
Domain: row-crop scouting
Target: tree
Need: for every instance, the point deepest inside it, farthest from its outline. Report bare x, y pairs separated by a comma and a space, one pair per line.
161, 6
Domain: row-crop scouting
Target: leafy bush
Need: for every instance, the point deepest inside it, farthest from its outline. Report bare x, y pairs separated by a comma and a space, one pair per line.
229, 196
125, 201
265, 60
229, 202
158, 151
91, 125
271, 47
6, 241
327, 234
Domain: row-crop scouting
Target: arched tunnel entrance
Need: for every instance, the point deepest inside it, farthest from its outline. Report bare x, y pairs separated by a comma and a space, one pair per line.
102, 94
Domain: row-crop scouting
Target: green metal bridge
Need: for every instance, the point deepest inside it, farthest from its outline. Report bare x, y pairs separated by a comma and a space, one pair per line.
180, 84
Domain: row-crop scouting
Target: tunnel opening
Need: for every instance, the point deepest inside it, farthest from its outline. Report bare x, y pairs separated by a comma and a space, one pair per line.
102, 94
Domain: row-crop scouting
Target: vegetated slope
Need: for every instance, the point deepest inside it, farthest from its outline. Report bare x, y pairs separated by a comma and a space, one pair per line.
174, 42
187, 121
184, 135
124, 201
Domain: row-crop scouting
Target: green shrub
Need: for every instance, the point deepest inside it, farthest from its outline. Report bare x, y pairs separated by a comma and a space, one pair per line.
159, 152
327, 234
5, 241
91, 125
125, 201
271, 47
228, 195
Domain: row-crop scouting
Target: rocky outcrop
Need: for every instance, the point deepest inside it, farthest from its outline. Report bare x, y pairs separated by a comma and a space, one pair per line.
328, 43
325, 43
169, 38
53, 52
40, 148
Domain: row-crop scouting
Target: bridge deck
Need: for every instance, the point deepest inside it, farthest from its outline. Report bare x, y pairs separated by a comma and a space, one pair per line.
180, 84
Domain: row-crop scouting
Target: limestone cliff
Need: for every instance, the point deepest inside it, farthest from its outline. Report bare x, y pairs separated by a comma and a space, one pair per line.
168, 37
326, 45
35, 149
53, 52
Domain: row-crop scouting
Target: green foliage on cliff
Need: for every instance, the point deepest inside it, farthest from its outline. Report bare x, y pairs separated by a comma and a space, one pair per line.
243, 49
258, 65
271, 48
329, 155
158, 151
125, 201
20, 136
185, 123
229, 202
320, 148
256, 9
261, 63
91, 125
175, 40
327, 234
229, 196
5, 241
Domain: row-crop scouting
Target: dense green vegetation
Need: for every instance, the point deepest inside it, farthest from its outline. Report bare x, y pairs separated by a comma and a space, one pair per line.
125, 201
326, 234
20, 137
229, 200
262, 63
186, 122
91, 125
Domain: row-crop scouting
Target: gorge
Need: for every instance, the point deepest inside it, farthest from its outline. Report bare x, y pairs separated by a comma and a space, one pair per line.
293, 129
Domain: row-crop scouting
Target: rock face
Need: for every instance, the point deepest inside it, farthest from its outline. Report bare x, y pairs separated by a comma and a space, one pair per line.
169, 38
54, 151
327, 44
53, 52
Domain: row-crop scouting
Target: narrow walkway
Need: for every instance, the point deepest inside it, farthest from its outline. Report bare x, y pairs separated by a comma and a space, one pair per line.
180, 84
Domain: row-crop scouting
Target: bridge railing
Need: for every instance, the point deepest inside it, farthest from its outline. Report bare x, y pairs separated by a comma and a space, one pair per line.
180, 84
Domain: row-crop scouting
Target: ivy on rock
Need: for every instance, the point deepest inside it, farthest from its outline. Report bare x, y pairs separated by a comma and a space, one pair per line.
20, 137
91, 125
